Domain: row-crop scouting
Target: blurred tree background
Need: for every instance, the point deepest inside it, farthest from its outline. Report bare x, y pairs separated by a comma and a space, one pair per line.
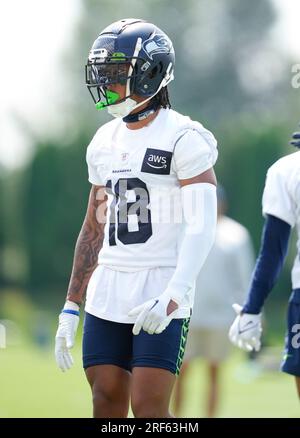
229, 75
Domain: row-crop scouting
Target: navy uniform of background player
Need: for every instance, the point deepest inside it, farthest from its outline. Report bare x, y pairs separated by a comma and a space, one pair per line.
281, 207
155, 166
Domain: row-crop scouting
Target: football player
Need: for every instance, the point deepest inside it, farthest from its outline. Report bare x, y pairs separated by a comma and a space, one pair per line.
145, 239
281, 208
232, 258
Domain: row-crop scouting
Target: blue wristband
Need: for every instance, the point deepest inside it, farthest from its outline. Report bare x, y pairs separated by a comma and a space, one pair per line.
73, 312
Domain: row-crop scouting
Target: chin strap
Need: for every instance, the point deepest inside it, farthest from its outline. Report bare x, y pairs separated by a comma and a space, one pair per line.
142, 114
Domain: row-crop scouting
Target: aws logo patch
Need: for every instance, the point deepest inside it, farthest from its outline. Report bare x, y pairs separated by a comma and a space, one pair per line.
157, 161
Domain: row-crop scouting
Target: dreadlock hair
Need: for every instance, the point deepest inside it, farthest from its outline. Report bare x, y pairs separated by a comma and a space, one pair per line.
162, 97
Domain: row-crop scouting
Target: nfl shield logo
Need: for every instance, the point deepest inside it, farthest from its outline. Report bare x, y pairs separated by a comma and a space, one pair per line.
124, 156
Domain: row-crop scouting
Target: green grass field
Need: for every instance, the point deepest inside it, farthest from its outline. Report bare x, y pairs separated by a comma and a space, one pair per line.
32, 386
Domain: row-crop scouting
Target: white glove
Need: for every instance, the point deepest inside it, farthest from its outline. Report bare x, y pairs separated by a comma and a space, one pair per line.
152, 315
246, 329
65, 335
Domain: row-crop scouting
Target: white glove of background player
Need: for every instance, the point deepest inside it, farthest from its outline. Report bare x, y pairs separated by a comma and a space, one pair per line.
65, 335
246, 329
152, 315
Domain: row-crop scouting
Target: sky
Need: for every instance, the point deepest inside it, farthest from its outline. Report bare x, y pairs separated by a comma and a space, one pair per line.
287, 31
33, 36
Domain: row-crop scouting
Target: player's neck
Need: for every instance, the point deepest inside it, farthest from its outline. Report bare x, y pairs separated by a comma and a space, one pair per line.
142, 123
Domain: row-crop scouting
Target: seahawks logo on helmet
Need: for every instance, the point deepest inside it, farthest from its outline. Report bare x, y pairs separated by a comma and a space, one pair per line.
158, 44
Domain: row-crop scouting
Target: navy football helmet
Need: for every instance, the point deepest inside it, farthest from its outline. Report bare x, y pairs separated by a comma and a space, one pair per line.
130, 52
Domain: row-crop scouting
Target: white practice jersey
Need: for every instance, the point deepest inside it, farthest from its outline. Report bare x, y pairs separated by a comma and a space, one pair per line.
281, 198
140, 170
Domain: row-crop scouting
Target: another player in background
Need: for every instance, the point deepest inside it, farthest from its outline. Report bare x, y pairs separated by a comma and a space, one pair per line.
281, 208
156, 168
222, 281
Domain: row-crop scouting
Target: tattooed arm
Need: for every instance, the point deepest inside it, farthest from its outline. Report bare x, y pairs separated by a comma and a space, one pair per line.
88, 245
